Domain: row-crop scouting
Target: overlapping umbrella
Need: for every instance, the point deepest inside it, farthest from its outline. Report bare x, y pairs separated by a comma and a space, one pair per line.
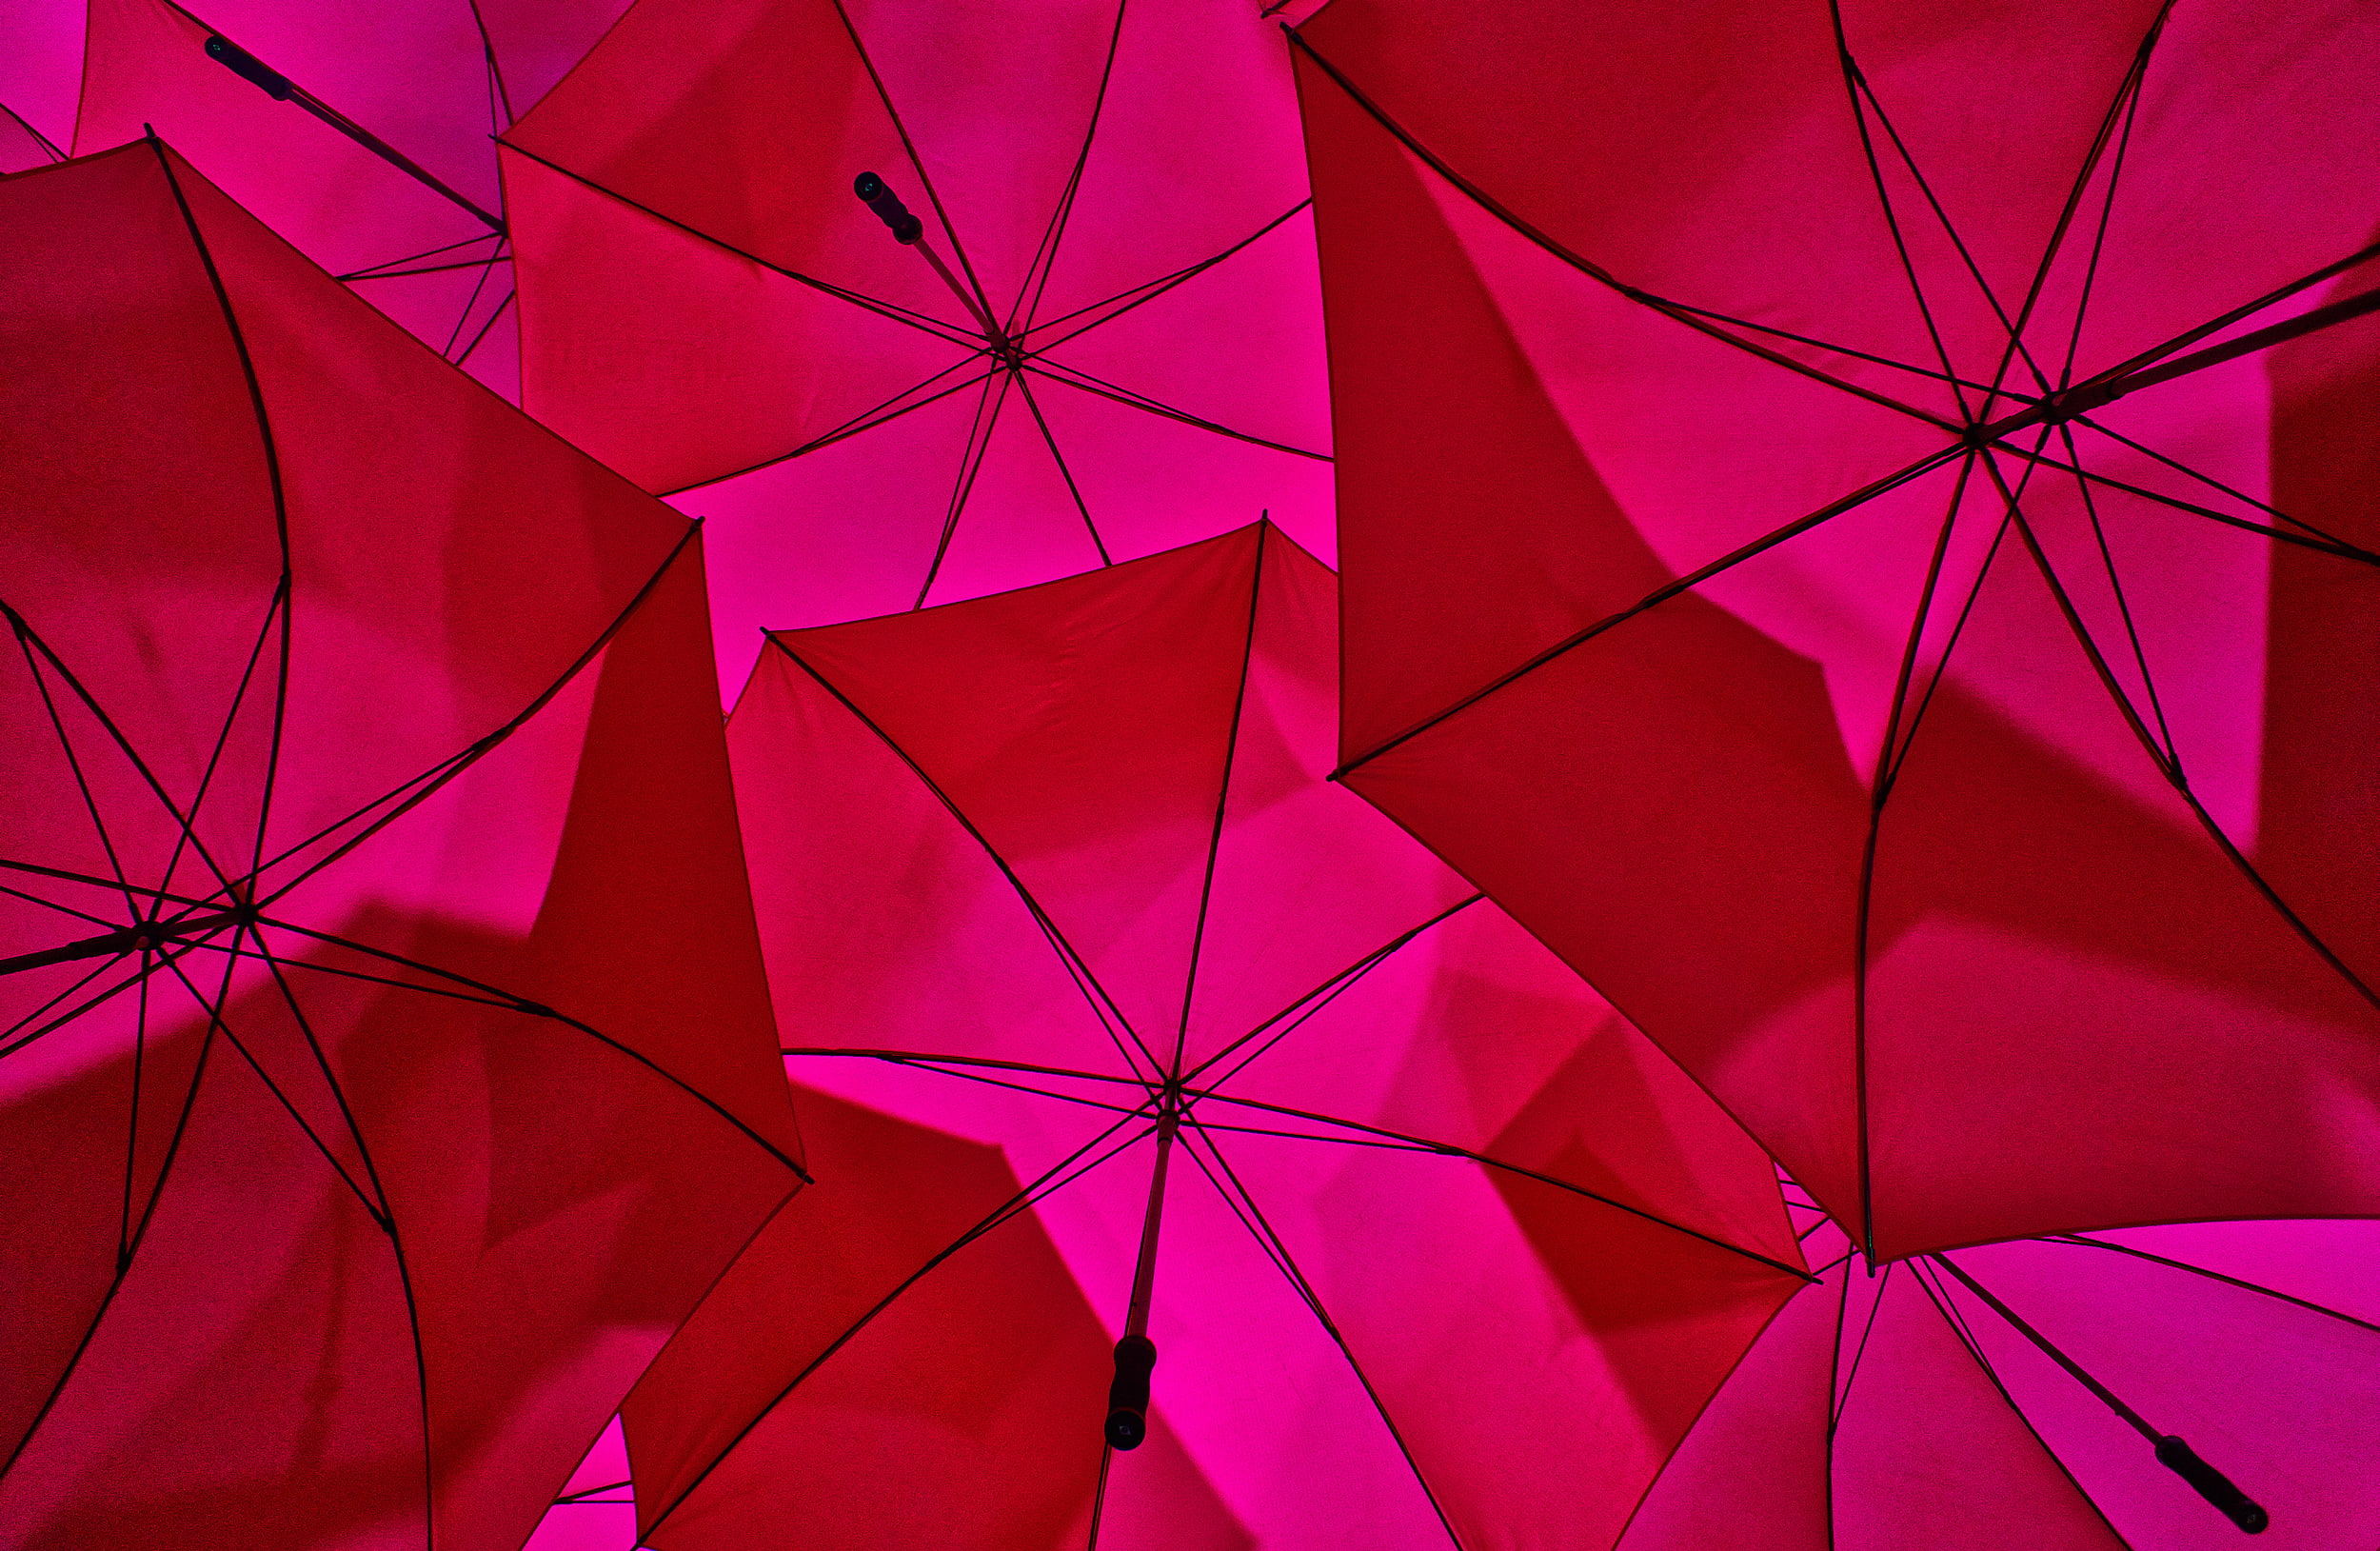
1100, 339
388, 1066
1428, 1241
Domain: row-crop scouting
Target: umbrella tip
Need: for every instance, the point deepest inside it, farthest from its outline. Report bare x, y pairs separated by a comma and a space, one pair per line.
877, 196
1128, 1396
2212, 1485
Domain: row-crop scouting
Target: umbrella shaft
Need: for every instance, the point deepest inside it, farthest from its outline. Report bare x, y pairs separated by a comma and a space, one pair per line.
1145, 1274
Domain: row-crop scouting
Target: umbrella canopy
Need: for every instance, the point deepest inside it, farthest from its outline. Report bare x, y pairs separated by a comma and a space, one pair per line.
388, 1066
1998, 1395
1111, 1018
1880, 574
1079, 325
361, 133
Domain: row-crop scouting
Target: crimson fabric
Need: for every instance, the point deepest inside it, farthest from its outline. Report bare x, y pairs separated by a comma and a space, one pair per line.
1975, 814
1119, 190
1902, 1409
344, 1210
1444, 1244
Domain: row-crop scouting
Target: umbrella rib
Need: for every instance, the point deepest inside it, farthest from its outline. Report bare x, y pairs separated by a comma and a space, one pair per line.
1047, 1183
1149, 291
1254, 1220
486, 269
499, 94
132, 1118
1322, 996
1044, 261
978, 448
486, 327
1103, 1005
585, 1493
1851, 1376
2130, 103
74, 764
1854, 86
1448, 1150
386, 267
1880, 792
1084, 382
1799, 525
1222, 800
48, 148
2122, 605
2085, 1239
18, 1042
908, 316
2343, 550
928, 1065
917, 162
272, 464
1701, 321
2173, 772
2338, 544
1060, 459
430, 268
377, 1213
322, 1063
867, 420
421, 787
1966, 1338
140, 1232
538, 1009
223, 738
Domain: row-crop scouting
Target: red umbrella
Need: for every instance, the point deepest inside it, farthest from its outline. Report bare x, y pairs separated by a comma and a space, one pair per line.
1116, 1023
361, 133
1098, 339
1880, 574
387, 1067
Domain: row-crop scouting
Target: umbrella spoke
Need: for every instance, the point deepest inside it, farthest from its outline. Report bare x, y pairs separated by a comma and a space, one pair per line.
2207, 479
66, 745
1855, 85
1044, 259
882, 415
1223, 805
2123, 606
1149, 291
486, 269
391, 268
2086, 1241
952, 1066
1084, 382
1319, 998
223, 738
1060, 459
978, 445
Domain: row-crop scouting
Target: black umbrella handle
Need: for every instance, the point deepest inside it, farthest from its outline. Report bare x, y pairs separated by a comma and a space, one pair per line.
1128, 1396
877, 196
2210, 1483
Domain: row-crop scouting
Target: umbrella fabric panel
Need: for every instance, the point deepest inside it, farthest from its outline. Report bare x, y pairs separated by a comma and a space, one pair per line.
375, 776
1898, 736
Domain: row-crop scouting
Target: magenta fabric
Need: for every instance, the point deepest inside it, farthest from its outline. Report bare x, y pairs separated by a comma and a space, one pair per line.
345, 1207
1928, 797
1446, 1246
707, 307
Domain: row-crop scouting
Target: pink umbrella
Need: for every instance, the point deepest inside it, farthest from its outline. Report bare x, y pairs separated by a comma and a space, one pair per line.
1117, 1025
387, 1067
363, 134
1096, 336
1880, 575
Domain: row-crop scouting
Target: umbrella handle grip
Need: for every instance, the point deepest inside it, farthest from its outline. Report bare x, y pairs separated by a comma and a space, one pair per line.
1128, 1395
248, 67
2212, 1484
877, 196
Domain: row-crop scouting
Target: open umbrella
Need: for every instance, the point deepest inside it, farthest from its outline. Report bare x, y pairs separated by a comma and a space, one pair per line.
1115, 1023
363, 134
386, 1065
1880, 573
1076, 325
